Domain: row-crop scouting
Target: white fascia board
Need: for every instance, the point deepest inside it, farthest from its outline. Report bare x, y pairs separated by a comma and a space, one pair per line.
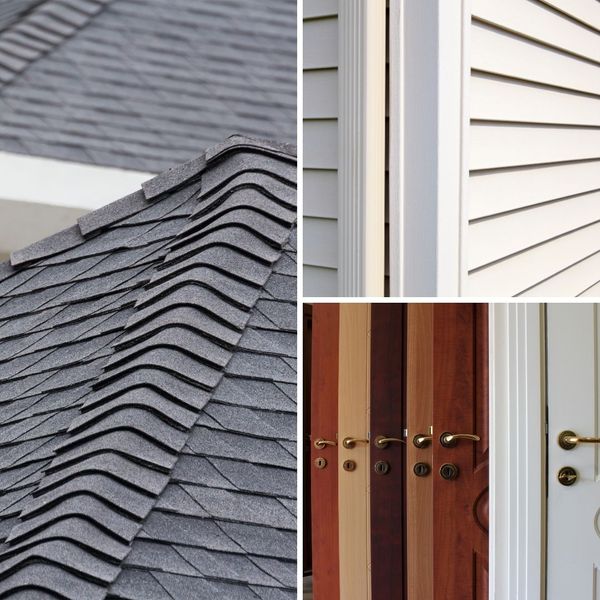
517, 439
66, 184
429, 46
361, 141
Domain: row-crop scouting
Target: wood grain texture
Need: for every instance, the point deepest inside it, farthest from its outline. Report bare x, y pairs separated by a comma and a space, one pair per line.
306, 445
419, 490
324, 421
460, 380
388, 349
353, 421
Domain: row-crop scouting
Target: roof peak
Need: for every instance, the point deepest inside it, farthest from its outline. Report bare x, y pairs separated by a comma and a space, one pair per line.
152, 191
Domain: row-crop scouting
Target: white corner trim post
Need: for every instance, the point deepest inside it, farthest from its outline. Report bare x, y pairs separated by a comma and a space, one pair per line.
517, 463
361, 139
429, 70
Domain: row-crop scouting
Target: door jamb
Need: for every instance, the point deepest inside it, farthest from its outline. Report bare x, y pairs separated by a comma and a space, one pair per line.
517, 454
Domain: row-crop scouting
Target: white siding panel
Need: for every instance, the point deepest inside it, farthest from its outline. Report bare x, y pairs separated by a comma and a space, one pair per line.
494, 145
593, 291
319, 281
513, 275
321, 43
320, 144
572, 281
586, 11
496, 51
320, 242
320, 8
536, 21
497, 99
321, 94
495, 238
320, 193
501, 191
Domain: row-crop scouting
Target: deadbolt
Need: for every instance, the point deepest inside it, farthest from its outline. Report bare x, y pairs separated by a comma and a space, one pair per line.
320, 462
449, 471
567, 476
349, 465
421, 469
381, 467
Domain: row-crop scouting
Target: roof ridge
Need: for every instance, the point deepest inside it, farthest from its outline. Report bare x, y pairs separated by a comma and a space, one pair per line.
120, 449
152, 190
41, 30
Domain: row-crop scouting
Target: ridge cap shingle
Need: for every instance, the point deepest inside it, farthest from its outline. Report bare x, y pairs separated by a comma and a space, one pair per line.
151, 191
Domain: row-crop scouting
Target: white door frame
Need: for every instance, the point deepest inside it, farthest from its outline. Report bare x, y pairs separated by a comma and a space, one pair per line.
429, 121
517, 451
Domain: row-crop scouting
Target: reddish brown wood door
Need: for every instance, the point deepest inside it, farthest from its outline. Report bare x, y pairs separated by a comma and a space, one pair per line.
460, 468
323, 464
387, 464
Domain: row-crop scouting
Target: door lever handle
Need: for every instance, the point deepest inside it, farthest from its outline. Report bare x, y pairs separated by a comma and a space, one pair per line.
320, 443
381, 441
350, 442
421, 440
450, 439
567, 440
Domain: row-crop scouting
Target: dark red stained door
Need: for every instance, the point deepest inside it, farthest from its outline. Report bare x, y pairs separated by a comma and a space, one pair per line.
460, 405
324, 420
388, 347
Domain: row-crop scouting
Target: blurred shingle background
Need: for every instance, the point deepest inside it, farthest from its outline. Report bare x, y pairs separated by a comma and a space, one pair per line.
144, 84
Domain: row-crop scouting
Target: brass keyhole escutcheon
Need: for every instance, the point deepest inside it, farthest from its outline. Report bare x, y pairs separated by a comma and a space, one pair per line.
421, 469
567, 476
449, 471
381, 467
320, 462
349, 465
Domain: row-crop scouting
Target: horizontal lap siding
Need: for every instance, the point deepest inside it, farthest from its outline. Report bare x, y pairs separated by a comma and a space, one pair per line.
534, 186
320, 82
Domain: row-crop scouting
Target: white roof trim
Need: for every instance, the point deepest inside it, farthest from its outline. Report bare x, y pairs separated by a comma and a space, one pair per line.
61, 183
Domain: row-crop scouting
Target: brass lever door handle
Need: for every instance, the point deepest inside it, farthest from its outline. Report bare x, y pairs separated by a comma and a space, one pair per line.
567, 440
450, 439
382, 441
320, 443
421, 440
350, 442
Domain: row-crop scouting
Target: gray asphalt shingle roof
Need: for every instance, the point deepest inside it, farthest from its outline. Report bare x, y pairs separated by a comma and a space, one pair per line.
147, 391
142, 84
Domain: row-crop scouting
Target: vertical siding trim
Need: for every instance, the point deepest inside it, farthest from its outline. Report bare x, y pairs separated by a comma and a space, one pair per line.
517, 439
429, 66
361, 198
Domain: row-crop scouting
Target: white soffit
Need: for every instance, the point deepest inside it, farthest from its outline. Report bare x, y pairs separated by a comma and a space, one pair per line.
53, 182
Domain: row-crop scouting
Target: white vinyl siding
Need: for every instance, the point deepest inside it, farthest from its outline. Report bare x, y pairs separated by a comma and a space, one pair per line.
534, 147
320, 82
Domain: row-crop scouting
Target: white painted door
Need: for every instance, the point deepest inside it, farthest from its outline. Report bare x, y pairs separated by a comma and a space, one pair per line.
573, 511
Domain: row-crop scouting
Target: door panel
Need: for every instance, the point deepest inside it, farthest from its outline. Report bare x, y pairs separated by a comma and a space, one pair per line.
324, 422
461, 406
447, 545
353, 421
419, 411
387, 419
573, 511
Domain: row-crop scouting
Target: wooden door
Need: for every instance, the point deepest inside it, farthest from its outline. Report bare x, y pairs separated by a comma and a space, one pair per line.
448, 383
460, 405
388, 419
353, 423
573, 361
324, 479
